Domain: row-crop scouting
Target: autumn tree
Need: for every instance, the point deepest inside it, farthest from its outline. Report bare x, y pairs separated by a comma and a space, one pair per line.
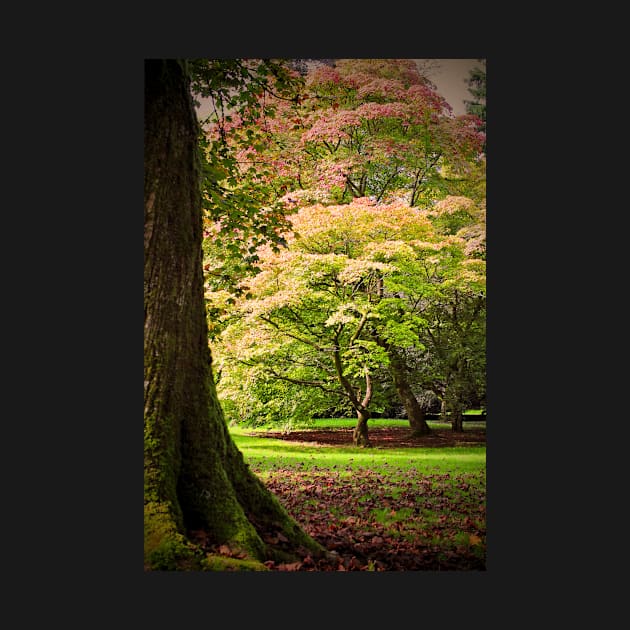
301, 327
195, 479
454, 334
368, 127
476, 106
351, 295
373, 233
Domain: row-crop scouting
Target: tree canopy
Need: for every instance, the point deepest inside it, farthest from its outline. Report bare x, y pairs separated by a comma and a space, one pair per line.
374, 230
358, 284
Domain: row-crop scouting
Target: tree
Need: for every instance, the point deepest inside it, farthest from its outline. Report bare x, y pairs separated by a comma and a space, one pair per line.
240, 204
301, 326
476, 82
195, 478
454, 335
351, 296
366, 127
457, 341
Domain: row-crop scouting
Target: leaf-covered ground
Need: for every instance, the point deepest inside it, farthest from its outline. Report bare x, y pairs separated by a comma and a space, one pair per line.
384, 437
398, 520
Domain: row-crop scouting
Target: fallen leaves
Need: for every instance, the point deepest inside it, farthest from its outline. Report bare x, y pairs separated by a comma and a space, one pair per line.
372, 522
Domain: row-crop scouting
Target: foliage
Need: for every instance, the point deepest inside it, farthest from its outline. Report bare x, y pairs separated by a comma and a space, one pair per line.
250, 398
365, 127
241, 207
355, 280
477, 87
317, 259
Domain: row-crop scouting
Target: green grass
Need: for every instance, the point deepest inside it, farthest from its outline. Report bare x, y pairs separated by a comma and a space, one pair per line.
429, 500
269, 453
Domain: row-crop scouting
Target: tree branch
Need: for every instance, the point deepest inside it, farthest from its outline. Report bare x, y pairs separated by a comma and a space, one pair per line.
288, 334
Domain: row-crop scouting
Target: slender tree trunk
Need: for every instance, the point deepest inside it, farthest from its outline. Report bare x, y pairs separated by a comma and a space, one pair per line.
194, 476
457, 406
444, 408
451, 402
415, 413
457, 419
360, 435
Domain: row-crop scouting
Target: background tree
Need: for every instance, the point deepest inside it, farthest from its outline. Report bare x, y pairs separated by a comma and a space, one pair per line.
194, 476
367, 127
456, 343
240, 203
455, 334
476, 82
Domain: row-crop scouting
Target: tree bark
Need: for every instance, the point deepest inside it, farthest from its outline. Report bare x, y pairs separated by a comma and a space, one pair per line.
457, 419
360, 435
415, 413
451, 405
194, 476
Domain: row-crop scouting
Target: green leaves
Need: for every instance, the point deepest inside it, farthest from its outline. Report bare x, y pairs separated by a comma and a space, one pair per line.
322, 296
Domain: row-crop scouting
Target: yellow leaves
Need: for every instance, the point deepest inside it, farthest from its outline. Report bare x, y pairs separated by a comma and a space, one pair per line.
358, 223
426, 245
218, 298
473, 539
452, 204
356, 270
472, 273
475, 265
388, 250
345, 314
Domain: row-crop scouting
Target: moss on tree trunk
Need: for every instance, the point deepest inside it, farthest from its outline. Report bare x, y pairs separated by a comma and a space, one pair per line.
194, 475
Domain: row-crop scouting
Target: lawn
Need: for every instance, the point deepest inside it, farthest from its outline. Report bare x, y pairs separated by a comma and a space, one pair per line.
379, 509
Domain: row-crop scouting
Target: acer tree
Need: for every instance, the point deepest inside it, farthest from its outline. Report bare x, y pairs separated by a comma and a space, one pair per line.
368, 127
195, 478
297, 329
454, 335
352, 295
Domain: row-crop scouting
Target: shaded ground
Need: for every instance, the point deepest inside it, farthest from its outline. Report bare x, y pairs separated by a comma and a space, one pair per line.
409, 521
390, 437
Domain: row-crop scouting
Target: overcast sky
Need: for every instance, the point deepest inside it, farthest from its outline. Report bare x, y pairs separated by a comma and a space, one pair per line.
449, 77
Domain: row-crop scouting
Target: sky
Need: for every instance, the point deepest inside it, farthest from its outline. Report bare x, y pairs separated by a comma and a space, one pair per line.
449, 79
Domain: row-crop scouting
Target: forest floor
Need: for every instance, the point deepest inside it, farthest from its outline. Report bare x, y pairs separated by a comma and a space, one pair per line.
389, 437
373, 523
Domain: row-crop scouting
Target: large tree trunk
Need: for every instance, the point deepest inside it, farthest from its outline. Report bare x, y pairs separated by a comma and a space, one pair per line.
415, 413
194, 476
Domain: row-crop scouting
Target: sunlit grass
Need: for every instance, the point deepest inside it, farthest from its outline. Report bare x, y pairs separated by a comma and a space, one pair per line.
269, 453
431, 499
